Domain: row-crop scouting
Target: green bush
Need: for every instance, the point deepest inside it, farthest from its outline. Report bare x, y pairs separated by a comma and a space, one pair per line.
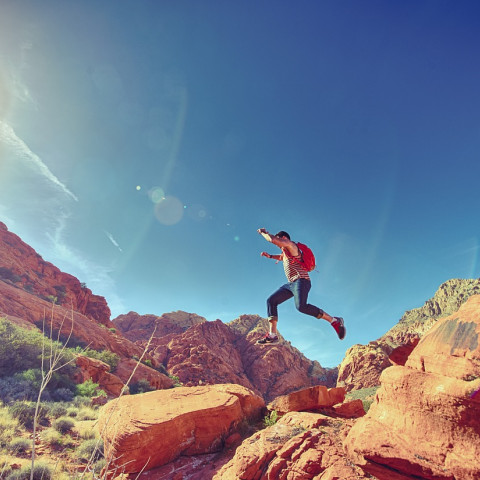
63, 424
9, 427
24, 412
90, 448
142, 386
79, 402
56, 439
41, 471
271, 419
87, 413
18, 446
105, 356
25, 386
21, 349
88, 389
57, 409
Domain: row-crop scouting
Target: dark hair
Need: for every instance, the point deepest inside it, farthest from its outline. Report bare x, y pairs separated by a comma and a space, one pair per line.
281, 233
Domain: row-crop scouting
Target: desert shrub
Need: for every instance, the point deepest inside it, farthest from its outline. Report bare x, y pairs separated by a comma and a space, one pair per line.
90, 450
13, 389
63, 424
8, 274
142, 386
72, 412
5, 469
19, 446
41, 471
24, 412
25, 386
87, 413
366, 395
88, 389
98, 466
105, 356
176, 381
62, 394
61, 291
271, 419
56, 409
55, 438
86, 433
21, 349
80, 401
9, 427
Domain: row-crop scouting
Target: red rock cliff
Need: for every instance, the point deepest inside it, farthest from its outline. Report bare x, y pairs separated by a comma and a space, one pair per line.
21, 266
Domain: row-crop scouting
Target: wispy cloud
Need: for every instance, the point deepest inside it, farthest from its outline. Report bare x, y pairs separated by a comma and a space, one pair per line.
41, 209
21, 150
110, 237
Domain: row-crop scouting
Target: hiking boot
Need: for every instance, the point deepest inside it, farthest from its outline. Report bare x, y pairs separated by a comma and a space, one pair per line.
268, 339
339, 327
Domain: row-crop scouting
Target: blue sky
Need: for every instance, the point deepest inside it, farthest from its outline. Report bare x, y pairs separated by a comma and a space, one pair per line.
142, 143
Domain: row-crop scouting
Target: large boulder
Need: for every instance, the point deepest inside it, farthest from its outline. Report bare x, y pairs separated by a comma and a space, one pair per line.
144, 431
425, 421
313, 398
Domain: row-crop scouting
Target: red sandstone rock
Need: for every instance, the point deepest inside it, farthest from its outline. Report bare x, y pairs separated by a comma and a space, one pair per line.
154, 428
214, 352
299, 446
425, 420
363, 364
141, 327
352, 409
29, 271
399, 355
98, 372
313, 398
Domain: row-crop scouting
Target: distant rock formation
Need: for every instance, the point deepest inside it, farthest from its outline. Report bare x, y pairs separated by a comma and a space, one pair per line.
207, 353
363, 364
36, 293
424, 422
21, 266
137, 327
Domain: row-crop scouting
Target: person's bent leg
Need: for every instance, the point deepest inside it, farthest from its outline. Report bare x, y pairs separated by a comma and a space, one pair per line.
301, 289
273, 301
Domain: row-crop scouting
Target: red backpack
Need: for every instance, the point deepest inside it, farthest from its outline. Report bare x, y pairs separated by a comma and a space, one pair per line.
308, 258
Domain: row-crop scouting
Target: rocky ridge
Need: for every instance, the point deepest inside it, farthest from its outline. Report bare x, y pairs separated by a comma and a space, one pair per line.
424, 422
363, 364
207, 353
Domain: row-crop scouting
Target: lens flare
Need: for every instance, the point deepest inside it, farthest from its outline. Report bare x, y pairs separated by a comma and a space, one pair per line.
169, 211
197, 212
156, 194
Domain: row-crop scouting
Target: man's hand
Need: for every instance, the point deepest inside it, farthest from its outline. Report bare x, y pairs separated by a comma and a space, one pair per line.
262, 231
265, 254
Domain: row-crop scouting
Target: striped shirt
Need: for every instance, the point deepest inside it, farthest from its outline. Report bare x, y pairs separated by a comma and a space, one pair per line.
293, 269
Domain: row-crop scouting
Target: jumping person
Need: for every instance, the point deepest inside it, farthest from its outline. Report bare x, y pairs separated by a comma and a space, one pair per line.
298, 286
